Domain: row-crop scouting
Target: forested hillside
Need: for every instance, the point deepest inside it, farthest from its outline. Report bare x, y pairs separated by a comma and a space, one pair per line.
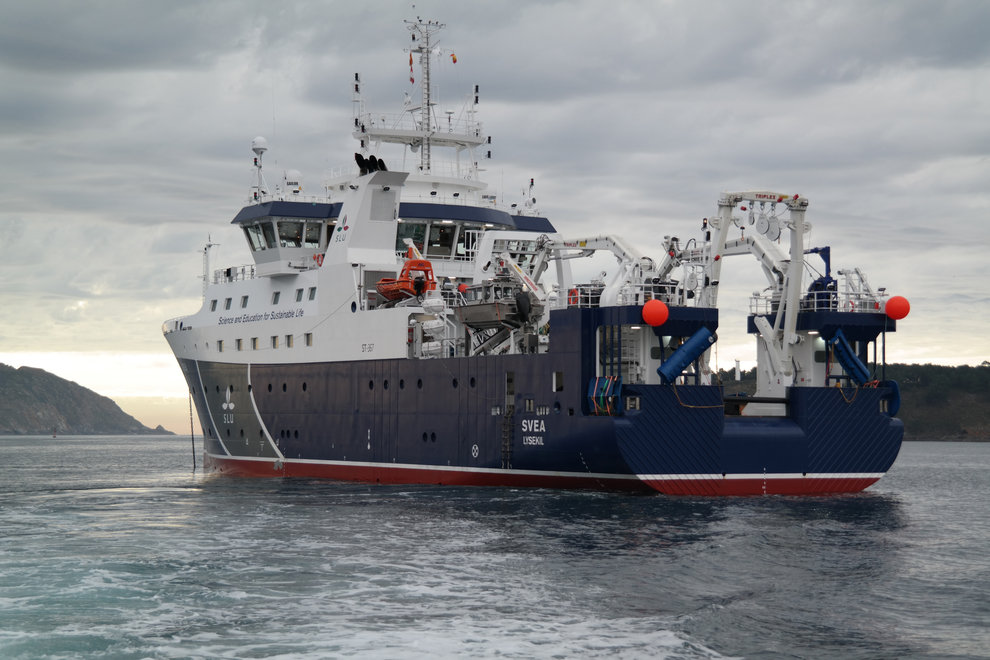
35, 402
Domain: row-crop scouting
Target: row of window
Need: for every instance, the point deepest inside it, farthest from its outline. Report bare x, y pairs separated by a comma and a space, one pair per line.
291, 233
289, 342
276, 296
531, 407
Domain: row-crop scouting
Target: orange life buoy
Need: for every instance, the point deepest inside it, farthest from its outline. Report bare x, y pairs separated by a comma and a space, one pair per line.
318, 258
572, 297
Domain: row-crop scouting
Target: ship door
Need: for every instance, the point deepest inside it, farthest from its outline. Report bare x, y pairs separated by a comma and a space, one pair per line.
386, 424
508, 424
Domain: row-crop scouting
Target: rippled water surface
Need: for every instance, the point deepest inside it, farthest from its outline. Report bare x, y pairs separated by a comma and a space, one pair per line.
115, 548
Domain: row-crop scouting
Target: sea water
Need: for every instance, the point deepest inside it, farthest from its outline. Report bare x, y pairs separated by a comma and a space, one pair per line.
113, 547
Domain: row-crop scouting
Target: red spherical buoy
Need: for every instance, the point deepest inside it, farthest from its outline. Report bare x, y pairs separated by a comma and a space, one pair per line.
897, 307
655, 312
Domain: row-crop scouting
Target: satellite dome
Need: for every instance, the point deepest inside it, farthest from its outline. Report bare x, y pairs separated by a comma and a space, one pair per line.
259, 145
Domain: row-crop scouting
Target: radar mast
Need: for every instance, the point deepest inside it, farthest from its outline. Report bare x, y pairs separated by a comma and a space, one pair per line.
422, 38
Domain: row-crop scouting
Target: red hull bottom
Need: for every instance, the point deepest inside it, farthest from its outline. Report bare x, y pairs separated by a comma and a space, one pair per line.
696, 485
769, 485
387, 474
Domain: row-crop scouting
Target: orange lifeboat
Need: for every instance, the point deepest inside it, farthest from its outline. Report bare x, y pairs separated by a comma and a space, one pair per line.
415, 279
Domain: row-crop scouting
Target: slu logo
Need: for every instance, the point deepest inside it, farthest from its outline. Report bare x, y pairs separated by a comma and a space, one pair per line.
228, 404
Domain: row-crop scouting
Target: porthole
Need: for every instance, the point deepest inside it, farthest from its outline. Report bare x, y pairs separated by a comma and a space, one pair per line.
402, 384
285, 387
269, 387
424, 436
371, 384
228, 433
304, 387
556, 407
385, 384
218, 389
472, 381
242, 433
433, 437
250, 387
454, 383
295, 434
419, 383
353, 307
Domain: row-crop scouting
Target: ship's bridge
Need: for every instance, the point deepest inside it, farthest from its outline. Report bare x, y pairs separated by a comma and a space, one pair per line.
289, 236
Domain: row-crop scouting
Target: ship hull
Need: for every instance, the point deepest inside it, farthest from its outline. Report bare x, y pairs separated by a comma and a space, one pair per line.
453, 422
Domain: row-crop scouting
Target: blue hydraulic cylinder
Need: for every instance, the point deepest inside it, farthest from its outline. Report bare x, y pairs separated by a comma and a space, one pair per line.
847, 358
689, 351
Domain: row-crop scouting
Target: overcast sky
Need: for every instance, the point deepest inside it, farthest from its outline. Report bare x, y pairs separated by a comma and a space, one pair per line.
125, 132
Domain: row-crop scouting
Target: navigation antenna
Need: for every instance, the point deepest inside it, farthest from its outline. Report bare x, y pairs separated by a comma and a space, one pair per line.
206, 262
422, 36
259, 146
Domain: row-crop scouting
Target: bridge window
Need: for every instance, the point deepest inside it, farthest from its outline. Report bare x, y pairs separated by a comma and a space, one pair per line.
312, 239
269, 231
290, 233
467, 240
411, 230
441, 240
255, 237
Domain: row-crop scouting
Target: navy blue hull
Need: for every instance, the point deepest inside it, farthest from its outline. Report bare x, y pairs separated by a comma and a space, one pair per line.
448, 421
832, 440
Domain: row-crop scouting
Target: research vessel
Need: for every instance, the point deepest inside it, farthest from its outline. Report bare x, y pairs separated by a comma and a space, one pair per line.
407, 326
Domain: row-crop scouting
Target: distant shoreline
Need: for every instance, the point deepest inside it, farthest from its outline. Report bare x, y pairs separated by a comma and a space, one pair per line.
948, 439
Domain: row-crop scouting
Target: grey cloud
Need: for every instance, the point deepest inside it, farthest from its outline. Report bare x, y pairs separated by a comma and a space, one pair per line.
72, 37
124, 147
